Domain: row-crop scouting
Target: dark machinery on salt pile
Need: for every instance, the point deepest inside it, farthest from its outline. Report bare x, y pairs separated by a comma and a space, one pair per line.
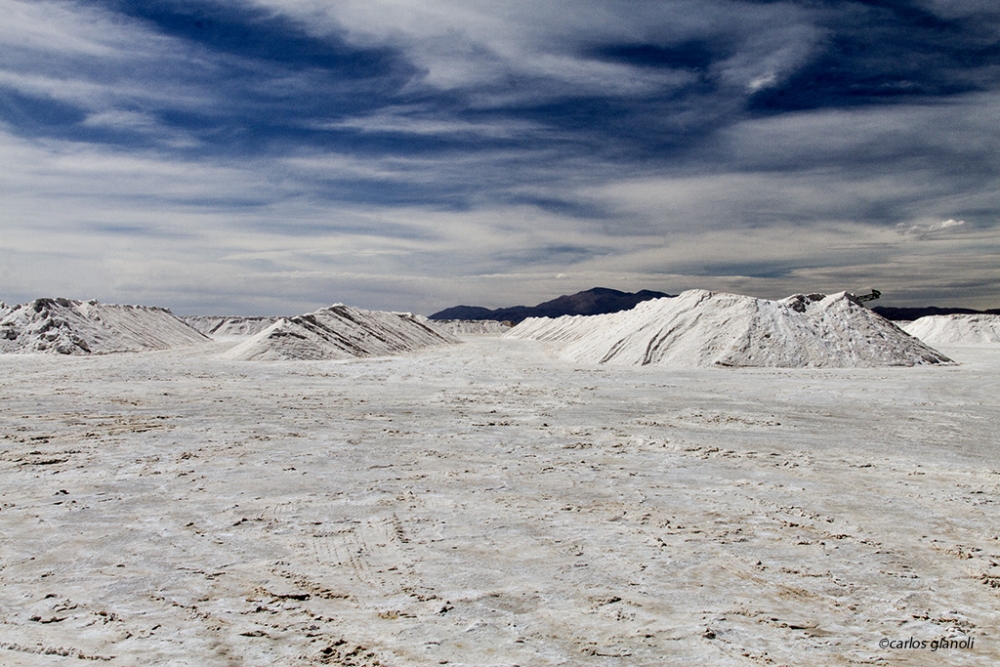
874, 294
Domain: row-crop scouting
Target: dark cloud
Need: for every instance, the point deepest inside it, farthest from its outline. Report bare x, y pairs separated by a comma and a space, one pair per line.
697, 56
889, 52
36, 115
256, 34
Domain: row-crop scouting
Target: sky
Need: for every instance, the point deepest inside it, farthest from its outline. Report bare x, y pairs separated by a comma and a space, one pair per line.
266, 157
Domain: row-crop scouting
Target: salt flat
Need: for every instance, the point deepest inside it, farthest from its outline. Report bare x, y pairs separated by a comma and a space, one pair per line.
489, 504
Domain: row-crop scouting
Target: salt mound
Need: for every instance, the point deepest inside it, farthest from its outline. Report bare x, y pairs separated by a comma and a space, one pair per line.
84, 327
230, 326
701, 328
948, 329
341, 332
473, 327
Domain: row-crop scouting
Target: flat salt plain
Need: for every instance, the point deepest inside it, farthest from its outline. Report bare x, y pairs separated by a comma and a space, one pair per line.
488, 504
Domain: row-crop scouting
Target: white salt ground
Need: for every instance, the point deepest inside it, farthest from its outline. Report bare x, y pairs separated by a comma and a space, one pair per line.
958, 328
485, 504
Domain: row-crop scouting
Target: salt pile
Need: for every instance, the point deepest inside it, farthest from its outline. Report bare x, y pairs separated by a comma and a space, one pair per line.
216, 326
341, 332
65, 326
950, 329
702, 328
473, 327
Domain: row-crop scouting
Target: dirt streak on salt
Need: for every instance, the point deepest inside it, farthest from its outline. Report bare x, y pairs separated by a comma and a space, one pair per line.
485, 504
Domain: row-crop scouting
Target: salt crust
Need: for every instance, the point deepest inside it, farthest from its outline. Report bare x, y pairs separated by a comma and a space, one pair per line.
485, 504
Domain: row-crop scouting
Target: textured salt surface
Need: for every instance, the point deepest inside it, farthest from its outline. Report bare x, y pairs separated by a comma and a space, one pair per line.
701, 328
472, 327
65, 326
341, 332
485, 504
949, 329
218, 327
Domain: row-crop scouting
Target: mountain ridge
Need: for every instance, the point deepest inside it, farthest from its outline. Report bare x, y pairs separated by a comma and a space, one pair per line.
595, 301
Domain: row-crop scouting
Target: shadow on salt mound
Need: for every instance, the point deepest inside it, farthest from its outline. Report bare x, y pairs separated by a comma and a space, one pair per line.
702, 328
969, 329
341, 332
65, 326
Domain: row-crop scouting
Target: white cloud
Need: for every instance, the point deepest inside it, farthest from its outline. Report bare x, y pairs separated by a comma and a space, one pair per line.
762, 82
813, 198
109, 69
413, 120
948, 223
932, 230
82, 221
40, 25
473, 45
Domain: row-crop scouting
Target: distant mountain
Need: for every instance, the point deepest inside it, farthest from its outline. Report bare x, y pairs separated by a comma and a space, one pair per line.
900, 314
596, 301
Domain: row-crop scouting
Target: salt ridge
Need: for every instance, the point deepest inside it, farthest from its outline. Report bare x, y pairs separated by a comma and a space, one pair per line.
473, 327
218, 326
957, 328
702, 328
341, 332
66, 326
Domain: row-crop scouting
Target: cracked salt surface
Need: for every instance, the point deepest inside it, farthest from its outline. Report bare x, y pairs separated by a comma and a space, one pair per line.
488, 504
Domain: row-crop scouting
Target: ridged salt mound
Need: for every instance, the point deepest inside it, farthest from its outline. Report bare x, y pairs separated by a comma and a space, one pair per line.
702, 328
65, 326
473, 327
230, 326
341, 332
958, 328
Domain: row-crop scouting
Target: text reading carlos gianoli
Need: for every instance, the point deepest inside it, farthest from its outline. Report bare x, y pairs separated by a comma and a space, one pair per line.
928, 645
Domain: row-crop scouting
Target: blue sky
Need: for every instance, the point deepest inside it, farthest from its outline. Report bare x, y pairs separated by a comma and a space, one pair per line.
276, 156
